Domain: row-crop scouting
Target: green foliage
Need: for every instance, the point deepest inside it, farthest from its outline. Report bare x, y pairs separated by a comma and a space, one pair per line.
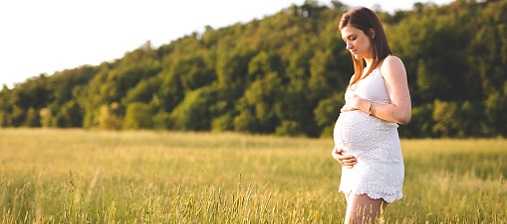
327, 112
258, 101
422, 122
471, 112
444, 114
262, 64
194, 72
46, 118
63, 84
290, 128
245, 122
223, 123
4, 119
70, 115
32, 118
17, 116
172, 93
108, 118
281, 72
162, 120
195, 112
134, 67
232, 70
139, 115
323, 78
32, 93
496, 107
143, 91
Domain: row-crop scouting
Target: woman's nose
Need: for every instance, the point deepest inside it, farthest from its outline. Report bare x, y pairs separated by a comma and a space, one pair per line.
349, 46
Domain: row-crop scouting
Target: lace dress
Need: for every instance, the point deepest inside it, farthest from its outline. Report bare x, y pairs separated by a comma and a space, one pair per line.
375, 143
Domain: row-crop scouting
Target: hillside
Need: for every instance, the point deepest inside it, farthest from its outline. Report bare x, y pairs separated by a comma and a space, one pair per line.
283, 74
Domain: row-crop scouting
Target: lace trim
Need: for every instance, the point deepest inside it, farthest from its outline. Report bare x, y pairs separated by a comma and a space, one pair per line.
389, 197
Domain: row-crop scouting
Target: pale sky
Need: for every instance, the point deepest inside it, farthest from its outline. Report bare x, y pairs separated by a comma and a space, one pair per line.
44, 36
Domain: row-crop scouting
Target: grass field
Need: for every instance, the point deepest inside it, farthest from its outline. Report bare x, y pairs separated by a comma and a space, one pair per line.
79, 176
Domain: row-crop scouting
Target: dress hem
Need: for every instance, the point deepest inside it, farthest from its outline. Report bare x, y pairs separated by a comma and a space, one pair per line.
387, 197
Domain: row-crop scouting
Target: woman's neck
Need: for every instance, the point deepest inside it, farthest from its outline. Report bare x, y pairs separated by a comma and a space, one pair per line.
369, 62
369, 59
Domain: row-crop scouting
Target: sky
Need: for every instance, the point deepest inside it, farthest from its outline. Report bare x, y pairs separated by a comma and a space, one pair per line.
46, 36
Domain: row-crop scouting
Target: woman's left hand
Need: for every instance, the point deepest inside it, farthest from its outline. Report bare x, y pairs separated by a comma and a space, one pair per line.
356, 103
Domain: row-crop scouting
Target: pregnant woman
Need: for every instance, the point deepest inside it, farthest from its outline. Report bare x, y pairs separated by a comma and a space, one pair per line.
366, 138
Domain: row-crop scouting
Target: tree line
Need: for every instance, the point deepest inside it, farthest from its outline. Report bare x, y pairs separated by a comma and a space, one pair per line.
284, 74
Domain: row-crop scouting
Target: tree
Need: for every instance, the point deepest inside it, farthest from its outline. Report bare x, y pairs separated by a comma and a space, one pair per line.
327, 112
193, 72
443, 115
258, 101
70, 115
282, 74
231, 70
46, 118
421, 124
32, 118
290, 128
107, 118
496, 106
143, 91
139, 115
223, 123
196, 111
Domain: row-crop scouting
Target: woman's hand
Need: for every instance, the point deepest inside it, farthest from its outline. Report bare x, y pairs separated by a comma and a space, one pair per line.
356, 103
346, 160
347, 108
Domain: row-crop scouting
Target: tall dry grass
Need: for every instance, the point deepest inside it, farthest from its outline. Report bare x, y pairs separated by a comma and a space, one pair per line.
79, 176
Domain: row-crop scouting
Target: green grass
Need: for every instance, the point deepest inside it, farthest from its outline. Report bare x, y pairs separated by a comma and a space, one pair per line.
78, 176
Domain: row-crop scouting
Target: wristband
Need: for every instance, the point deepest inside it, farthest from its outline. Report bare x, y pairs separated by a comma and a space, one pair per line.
368, 110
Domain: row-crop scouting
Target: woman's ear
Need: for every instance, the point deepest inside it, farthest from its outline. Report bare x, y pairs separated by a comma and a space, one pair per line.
372, 33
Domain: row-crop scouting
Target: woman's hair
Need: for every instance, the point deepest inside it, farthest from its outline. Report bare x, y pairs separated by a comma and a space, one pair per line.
364, 19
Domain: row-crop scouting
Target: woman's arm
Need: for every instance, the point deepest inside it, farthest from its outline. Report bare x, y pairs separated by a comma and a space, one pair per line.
395, 76
399, 110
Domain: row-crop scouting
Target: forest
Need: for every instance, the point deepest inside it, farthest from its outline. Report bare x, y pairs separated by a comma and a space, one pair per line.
284, 74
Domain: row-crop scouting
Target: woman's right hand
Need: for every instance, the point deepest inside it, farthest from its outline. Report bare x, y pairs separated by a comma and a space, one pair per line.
346, 160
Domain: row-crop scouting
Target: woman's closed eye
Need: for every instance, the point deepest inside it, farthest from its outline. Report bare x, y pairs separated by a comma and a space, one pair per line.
350, 38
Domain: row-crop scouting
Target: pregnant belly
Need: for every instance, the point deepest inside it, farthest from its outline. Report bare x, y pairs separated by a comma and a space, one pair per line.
357, 132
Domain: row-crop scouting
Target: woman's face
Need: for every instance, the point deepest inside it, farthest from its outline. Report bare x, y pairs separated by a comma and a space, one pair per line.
356, 41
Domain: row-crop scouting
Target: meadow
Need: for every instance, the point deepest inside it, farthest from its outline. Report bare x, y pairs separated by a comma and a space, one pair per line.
89, 176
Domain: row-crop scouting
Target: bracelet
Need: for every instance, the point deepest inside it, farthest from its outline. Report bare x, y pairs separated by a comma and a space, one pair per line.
369, 108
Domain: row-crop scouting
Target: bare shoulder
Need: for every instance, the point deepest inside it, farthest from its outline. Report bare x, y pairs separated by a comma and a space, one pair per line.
392, 66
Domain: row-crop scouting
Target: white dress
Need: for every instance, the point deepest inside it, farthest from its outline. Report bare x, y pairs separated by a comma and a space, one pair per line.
375, 143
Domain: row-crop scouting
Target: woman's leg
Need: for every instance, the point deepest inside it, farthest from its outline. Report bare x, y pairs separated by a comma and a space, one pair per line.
362, 209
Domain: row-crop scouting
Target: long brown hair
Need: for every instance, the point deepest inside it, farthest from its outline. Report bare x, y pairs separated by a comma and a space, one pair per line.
364, 19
